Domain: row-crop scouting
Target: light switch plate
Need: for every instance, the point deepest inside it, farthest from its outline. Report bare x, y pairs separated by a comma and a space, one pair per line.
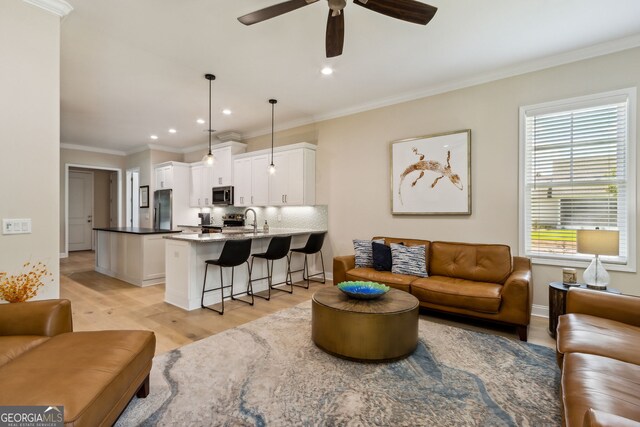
16, 226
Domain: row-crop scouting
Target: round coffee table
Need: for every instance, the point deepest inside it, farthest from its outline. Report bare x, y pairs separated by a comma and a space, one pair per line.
382, 329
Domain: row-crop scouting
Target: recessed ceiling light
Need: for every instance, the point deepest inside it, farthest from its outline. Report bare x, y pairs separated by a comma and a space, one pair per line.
154, 136
200, 121
327, 71
172, 130
226, 112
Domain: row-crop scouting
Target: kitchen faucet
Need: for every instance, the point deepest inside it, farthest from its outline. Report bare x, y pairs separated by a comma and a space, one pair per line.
255, 220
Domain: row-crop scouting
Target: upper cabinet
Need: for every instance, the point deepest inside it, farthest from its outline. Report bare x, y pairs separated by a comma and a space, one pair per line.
164, 176
204, 178
293, 183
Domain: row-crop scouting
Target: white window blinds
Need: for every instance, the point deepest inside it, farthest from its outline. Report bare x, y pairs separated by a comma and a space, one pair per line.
575, 175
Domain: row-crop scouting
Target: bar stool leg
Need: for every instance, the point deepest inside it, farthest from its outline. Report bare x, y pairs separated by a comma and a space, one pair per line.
324, 278
221, 293
287, 277
268, 297
233, 295
204, 283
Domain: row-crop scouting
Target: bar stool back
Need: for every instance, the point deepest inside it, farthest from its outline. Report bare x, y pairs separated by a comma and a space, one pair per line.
313, 246
278, 249
234, 253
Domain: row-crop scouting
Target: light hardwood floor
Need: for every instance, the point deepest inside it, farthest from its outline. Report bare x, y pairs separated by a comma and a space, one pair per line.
101, 302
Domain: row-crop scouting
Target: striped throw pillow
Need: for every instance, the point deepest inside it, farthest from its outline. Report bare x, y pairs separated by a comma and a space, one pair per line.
364, 252
408, 260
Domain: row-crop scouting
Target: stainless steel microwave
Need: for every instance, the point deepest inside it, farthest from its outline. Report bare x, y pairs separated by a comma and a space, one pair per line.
222, 195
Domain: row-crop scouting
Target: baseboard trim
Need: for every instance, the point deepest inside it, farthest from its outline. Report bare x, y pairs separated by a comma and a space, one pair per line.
540, 310
64, 255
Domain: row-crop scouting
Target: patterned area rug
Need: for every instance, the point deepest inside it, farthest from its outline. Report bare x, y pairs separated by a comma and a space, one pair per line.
269, 373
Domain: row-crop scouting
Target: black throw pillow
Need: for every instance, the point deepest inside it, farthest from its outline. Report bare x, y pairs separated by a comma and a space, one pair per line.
381, 255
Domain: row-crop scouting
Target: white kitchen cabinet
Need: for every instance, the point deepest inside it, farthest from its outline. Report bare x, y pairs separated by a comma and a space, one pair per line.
200, 185
251, 181
260, 180
293, 183
164, 177
222, 167
242, 182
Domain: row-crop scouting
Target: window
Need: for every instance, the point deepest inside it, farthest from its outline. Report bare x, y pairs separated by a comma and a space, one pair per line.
577, 171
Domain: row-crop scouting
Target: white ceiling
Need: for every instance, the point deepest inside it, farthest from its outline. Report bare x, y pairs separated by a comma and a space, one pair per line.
132, 68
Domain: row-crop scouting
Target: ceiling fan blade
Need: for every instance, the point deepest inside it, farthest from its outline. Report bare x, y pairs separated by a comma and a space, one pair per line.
273, 11
335, 34
406, 10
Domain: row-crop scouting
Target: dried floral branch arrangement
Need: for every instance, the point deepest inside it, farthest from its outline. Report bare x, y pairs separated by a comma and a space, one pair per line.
23, 286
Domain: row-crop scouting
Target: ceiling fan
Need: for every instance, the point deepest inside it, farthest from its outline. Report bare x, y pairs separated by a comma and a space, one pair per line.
406, 10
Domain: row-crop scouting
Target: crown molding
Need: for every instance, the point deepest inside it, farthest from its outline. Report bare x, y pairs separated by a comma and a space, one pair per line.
57, 7
91, 149
499, 74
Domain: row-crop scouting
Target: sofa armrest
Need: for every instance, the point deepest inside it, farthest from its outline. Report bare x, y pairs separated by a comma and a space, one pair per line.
621, 308
593, 418
517, 291
47, 317
342, 264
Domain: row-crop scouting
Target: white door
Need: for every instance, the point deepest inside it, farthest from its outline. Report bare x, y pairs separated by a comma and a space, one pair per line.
279, 181
242, 182
80, 210
195, 194
222, 167
295, 181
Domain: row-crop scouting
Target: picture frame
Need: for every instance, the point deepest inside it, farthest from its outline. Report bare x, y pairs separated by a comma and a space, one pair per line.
144, 196
431, 174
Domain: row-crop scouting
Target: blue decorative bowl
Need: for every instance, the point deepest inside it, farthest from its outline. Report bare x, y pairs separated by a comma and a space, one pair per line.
363, 290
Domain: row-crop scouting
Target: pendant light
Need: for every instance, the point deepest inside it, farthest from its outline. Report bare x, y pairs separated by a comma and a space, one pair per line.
272, 167
208, 158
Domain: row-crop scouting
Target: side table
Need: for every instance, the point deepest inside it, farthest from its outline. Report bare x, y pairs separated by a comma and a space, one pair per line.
558, 302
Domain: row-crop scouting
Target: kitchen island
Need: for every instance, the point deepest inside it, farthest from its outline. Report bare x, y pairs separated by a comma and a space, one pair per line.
185, 263
132, 254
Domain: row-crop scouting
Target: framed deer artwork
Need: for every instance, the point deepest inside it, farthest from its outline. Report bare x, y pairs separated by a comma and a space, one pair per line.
431, 175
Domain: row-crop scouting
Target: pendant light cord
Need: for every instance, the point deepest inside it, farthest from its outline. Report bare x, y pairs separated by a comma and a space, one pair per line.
273, 105
209, 116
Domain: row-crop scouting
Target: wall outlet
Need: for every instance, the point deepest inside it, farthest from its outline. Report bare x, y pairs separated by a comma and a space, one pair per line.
279, 218
16, 226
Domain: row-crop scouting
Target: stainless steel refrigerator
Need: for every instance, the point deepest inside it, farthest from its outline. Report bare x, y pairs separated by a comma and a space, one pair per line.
162, 210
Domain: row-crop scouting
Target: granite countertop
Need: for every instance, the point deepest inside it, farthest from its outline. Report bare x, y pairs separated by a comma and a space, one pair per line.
137, 230
223, 237
201, 225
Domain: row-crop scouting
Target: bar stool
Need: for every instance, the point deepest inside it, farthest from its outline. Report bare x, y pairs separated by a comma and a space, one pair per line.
278, 249
314, 245
234, 253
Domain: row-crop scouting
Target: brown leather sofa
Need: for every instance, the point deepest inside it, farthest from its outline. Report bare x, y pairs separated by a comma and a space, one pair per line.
93, 375
475, 280
598, 349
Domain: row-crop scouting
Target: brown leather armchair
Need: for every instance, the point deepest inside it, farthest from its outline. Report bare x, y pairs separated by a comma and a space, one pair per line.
598, 347
92, 374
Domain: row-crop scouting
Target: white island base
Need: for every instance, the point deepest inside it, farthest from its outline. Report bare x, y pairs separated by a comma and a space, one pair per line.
185, 265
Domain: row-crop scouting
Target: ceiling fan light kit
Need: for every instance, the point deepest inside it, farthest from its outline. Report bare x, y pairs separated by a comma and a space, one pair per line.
208, 158
406, 10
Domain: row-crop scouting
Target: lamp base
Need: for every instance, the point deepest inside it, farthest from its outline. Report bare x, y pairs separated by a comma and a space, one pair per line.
595, 276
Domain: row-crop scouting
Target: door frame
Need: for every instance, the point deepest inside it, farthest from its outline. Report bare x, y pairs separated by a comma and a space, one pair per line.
134, 191
67, 166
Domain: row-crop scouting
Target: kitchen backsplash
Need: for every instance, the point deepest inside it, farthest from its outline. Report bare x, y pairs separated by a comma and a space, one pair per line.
313, 217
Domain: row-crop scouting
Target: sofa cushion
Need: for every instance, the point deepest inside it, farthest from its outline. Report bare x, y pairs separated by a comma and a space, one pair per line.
381, 255
364, 252
481, 263
452, 292
12, 346
408, 242
398, 281
409, 260
601, 383
91, 373
582, 333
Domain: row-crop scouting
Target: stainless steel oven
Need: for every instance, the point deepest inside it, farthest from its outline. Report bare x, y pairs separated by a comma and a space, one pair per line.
222, 195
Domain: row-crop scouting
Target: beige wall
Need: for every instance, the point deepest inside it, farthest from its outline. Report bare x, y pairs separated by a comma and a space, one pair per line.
353, 158
87, 159
101, 198
30, 136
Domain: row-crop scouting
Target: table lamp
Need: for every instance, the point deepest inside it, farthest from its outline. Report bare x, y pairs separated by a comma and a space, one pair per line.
597, 242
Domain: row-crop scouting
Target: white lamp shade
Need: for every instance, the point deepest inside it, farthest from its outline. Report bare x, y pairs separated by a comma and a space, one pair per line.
598, 242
